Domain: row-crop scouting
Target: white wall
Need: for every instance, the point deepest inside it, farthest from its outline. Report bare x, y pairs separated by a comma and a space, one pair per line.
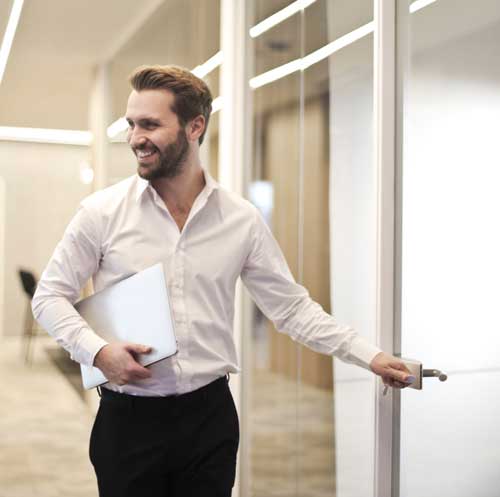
43, 190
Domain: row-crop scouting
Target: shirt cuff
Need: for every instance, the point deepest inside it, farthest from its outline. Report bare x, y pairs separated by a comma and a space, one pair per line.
88, 348
363, 352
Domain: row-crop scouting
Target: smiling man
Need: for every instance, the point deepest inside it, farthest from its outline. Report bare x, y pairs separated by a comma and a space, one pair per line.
172, 429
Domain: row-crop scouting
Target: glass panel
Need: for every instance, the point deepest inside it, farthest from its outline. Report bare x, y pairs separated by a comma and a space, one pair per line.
312, 156
274, 188
352, 240
450, 265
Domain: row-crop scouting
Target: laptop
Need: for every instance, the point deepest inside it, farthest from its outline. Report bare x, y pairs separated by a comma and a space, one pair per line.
136, 309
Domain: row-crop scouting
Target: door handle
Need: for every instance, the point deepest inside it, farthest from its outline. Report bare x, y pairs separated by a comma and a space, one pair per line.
417, 370
426, 373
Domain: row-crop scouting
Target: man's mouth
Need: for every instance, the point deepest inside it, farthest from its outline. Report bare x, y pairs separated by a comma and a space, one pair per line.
144, 154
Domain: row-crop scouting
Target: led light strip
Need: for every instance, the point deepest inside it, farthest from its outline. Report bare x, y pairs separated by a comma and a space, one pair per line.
280, 16
207, 67
43, 135
323, 52
419, 4
10, 32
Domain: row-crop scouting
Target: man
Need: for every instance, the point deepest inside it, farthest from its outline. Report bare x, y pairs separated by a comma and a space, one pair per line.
172, 429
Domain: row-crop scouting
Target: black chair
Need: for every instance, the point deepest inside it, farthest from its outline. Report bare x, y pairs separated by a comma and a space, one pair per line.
28, 282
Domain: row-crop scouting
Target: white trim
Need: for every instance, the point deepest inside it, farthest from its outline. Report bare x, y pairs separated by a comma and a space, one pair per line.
384, 149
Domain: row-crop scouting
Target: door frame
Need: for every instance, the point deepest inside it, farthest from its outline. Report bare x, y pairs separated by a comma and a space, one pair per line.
387, 160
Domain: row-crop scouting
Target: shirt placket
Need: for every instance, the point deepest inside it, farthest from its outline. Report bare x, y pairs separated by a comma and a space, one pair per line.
180, 312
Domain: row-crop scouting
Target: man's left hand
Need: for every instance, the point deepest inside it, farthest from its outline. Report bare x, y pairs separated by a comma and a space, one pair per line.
392, 370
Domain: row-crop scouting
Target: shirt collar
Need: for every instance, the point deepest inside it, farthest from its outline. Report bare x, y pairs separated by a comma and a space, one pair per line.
143, 184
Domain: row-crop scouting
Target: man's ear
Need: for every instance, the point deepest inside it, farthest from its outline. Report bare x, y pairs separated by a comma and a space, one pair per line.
195, 128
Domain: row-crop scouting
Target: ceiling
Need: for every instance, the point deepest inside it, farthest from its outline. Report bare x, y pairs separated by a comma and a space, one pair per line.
58, 44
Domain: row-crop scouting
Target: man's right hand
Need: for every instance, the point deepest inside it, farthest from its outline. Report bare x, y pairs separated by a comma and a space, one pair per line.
118, 362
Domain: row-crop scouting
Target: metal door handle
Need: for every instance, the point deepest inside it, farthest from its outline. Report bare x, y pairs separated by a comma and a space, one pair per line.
416, 370
434, 373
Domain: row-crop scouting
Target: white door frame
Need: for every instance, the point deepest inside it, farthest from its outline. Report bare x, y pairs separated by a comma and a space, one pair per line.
386, 407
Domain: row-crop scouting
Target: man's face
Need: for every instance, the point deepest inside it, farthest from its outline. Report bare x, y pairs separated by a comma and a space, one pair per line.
154, 134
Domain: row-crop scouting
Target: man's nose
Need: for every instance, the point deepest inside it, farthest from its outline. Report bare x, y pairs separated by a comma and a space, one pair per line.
136, 138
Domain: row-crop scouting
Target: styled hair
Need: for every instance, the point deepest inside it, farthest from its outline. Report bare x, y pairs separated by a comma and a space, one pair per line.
192, 96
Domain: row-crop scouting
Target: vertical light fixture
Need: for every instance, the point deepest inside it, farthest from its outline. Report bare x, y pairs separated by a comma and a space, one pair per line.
10, 32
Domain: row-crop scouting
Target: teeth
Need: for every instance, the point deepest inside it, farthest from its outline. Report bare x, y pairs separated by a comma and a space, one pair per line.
141, 154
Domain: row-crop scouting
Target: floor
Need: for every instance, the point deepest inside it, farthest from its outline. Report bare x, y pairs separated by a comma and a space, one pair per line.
46, 419
44, 428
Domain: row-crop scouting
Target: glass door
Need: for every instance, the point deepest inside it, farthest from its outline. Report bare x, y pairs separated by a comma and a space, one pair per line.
449, 80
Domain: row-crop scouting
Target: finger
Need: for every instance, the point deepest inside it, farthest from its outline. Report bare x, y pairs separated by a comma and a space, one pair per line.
138, 348
401, 376
141, 373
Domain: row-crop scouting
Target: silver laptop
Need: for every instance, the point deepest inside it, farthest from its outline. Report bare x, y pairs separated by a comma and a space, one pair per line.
136, 310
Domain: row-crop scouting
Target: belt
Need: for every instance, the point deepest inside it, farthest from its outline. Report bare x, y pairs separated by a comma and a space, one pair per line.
202, 393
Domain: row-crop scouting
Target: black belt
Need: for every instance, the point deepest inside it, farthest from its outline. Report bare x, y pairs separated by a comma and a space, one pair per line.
202, 393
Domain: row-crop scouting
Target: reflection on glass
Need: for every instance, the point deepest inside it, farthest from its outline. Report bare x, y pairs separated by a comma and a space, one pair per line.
295, 127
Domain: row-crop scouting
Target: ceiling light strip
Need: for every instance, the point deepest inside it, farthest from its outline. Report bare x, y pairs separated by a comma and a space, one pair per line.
419, 4
207, 67
280, 16
323, 52
10, 32
42, 135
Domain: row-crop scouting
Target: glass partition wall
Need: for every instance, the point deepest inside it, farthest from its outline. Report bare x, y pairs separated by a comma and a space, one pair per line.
312, 164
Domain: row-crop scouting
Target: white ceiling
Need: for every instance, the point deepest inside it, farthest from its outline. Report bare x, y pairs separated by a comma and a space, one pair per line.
57, 44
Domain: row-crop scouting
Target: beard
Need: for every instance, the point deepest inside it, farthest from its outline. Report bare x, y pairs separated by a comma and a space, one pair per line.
170, 161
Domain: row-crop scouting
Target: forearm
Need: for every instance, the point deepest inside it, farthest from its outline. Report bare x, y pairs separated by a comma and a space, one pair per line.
58, 316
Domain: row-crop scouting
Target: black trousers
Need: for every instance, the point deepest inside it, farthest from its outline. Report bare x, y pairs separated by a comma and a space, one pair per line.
174, 446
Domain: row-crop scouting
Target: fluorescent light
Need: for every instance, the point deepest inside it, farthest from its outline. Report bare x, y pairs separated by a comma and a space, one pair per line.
323, 52
280, 16
419, 4
119, 126
276, 73
216, 104
203, 69
8, 37
336, 45
38, 135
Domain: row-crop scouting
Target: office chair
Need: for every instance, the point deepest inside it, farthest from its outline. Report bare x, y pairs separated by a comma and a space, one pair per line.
28, 282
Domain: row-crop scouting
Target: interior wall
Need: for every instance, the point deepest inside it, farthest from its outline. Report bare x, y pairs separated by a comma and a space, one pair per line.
43, 190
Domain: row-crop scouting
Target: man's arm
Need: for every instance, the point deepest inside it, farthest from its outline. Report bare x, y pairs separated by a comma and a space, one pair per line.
288, 305
75, 259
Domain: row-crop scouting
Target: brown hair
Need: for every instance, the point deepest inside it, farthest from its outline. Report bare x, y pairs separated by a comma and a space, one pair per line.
192, 96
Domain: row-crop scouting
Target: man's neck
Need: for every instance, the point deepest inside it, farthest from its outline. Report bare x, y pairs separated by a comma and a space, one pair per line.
179, 193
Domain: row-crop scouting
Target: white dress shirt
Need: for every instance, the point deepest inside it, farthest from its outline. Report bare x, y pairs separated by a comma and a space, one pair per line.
127, 227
